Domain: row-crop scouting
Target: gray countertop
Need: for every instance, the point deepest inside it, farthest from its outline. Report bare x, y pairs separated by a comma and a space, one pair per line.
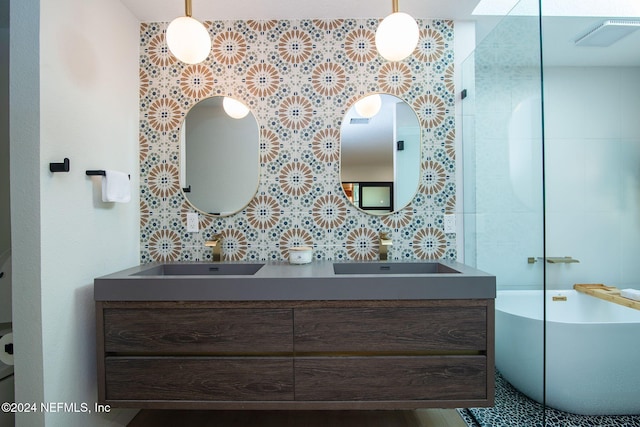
286, 282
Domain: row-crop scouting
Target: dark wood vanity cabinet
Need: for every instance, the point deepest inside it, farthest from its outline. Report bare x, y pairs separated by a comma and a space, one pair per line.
296, 355
167, 352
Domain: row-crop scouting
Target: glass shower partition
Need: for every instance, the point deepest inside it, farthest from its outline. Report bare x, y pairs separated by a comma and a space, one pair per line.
591, 71
504, 203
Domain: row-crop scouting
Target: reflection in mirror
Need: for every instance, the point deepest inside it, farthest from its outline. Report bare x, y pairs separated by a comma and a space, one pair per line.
369, 106
234, 108
220, 164
380, 157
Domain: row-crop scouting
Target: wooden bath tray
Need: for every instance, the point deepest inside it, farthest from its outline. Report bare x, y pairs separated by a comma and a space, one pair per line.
608, 293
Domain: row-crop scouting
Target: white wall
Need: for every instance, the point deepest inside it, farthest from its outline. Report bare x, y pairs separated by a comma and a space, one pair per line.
79, 100
592, 174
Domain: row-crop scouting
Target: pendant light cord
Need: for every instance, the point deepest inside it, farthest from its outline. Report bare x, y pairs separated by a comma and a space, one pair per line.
394, 7
187, 8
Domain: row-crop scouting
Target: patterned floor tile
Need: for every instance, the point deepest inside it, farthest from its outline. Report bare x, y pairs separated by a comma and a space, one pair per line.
513, 409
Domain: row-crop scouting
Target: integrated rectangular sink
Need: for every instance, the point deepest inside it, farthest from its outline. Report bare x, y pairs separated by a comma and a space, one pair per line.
280, 281
197, 269
393, 268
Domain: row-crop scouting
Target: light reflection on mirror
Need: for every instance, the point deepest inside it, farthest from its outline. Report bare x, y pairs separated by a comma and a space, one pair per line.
369, 106
234, 108
380, 157
220, 164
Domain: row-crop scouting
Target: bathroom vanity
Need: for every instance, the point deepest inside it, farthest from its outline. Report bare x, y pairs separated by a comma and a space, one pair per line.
278, 336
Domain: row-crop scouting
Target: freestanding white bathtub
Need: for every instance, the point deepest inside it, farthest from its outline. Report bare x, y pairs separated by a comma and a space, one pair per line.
592, 351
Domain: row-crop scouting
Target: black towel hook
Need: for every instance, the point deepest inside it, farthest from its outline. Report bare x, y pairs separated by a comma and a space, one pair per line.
60, 167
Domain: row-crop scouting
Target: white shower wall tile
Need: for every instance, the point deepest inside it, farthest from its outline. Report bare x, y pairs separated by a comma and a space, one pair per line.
495, 191
629, 106
593, 239
571, 173
591, 179
583, 102
471, 239
495, 99
603, 175
525, 174
628, 260
630, 175
492, 125
505, 242
565, 165
526, 87
587, 174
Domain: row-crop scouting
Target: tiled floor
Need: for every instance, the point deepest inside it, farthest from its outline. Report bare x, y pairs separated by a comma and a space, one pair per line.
420, 418
514, 409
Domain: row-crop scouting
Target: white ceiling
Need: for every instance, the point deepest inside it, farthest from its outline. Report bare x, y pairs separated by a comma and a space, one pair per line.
559, 32
166, 10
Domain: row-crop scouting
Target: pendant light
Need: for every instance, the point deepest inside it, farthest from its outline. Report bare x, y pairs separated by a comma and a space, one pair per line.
187, 38
234, 108
369, 106
397, 35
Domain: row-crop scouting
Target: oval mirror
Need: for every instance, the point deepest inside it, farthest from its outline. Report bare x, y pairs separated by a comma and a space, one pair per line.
380, 154
220, 159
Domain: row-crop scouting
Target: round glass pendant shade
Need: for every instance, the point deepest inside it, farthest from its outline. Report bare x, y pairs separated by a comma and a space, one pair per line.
234, 108
369, 106
397, 36
188, 40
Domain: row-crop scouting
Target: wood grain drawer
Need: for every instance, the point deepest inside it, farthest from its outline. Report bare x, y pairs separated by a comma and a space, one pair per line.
193, 330
211, 379
391, 329
391, 378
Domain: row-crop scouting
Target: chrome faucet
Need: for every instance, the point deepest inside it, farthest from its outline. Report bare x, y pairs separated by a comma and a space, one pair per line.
216, 244
383, 247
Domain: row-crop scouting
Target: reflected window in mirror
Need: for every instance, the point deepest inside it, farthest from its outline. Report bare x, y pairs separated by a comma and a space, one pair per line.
380, 156
220, 163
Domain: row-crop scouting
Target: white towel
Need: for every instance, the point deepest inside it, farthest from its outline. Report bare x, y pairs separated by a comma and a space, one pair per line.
116, 187
633, 294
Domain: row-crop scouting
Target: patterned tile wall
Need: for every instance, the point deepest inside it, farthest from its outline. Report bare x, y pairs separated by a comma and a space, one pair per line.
299, 78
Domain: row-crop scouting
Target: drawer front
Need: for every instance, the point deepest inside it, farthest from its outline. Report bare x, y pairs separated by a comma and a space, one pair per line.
189, 330
391, 329
391, 378
211, 379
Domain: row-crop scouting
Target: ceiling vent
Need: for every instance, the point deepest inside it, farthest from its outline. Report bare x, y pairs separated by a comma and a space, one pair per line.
608, 32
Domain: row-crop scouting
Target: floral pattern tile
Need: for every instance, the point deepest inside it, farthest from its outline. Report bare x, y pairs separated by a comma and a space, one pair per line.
299, 77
